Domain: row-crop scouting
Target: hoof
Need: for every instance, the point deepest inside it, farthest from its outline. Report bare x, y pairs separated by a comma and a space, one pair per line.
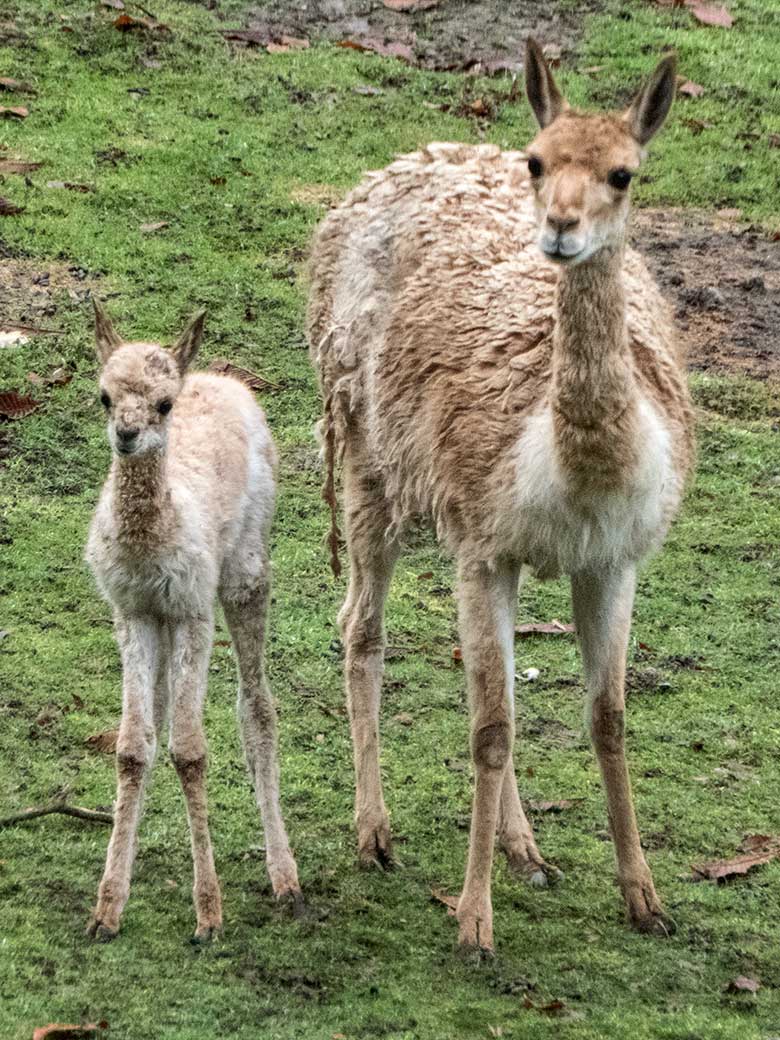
293, 901
644, 909
101, 932
545, 876
205, 934
375, 852
658, 925
474, 954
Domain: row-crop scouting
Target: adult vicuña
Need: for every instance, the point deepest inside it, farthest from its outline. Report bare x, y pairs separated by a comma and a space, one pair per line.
184, 517
492, 355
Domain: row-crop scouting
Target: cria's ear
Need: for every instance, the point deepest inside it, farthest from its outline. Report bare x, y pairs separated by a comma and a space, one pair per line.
107, 339
186, 346
651, 106
543, 94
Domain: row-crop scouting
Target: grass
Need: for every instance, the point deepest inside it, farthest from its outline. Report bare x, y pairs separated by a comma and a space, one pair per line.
375, 956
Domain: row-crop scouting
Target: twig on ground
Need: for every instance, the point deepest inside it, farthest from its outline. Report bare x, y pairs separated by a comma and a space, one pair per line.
58, 807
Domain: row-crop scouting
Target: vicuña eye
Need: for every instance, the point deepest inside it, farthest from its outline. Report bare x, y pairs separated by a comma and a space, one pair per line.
620, 178
535, 166
105, 400
165, 406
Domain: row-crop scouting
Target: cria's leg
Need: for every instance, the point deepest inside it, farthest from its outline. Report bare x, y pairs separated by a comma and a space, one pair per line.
372, 559
517, 838
602, 610
139, 643
257, 717
191, 650
486, 606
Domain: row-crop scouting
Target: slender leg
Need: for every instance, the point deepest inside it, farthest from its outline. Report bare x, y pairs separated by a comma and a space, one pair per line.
372, 559
602, 610
257, 718
191, 650
486, 606
516, 836
139, 642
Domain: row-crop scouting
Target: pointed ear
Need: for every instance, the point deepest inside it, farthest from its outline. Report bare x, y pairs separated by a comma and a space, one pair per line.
651, 106
543, 94
107, 339
186, 346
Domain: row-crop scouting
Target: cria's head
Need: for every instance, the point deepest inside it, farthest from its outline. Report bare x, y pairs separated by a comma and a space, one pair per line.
139, 384
581, 164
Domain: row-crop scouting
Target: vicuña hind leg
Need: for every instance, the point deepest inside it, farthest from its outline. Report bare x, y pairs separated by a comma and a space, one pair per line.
372, 559
517, 838
602, 609
257, 717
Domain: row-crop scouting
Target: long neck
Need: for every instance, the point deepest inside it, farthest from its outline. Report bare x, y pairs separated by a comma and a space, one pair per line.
142, 501
593, 390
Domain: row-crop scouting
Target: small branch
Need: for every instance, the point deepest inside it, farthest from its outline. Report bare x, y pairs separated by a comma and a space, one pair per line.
58, 807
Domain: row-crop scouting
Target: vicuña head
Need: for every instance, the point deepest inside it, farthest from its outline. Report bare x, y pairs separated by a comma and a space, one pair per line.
581, 164
139, 384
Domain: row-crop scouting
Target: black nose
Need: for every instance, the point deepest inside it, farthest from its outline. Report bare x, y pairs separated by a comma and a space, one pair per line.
126, 434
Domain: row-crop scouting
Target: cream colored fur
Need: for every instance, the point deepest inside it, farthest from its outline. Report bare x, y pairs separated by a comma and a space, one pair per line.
183, 518
492, 355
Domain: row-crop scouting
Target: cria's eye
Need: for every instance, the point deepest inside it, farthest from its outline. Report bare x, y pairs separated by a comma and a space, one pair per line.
105, 400
165, 406
620, 178
535, 167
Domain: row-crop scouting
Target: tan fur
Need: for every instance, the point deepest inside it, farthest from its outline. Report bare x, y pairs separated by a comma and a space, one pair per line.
183, 517
538, 414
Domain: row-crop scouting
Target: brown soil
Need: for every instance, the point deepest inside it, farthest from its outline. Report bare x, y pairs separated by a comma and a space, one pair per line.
456, 34
724, 283
31, 291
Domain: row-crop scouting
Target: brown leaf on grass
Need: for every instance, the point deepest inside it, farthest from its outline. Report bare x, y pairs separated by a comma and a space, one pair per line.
286, 43
70, 186
13, 112
6, 83
104, 742
18, 166
394, 49
9, 209
743, 984
157, 225
544, 628
250, 379
249, 36
59, 377
59, 1031
457, 653
554, 1008
554, 807
127, 23
451, 902
403, 718
689, 89
15, 406
410, 5
757, 850
697, 126
774, 140
425, 576
712, 14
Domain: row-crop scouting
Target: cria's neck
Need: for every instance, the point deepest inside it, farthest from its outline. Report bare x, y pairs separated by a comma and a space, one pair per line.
141, 498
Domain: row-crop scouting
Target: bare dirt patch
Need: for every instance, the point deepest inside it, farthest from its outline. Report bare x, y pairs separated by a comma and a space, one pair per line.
32, 291
724, 283
457, 34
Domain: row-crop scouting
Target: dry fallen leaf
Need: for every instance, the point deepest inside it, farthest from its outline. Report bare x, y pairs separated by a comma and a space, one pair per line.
15, 406
59, 1031
250, 379
157, 225
554, 807
774, 140
743, 984
451, 902
410, 5
13, 112
104, 742
286, 43
457, 653
59, 377
757, 849
403, 719
712, 14
544, 628
9, 209
13, 337
6, 83
126, 22
690, 89
388, 50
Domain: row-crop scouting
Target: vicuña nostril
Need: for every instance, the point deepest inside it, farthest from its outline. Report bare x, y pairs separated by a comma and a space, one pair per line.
127, 434
561, 224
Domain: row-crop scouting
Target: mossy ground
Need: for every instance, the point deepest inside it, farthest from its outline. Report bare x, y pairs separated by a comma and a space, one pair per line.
219, 147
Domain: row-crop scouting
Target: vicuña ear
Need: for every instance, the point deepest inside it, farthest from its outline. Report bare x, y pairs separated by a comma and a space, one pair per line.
186, 346
107, 339
543, 94
651, 106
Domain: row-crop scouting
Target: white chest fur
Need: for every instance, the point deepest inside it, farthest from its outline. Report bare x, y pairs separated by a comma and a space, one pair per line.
557, 531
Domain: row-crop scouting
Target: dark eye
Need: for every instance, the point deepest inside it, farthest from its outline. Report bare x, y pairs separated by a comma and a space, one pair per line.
105, 400
165, 406
620, 178
535, 167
